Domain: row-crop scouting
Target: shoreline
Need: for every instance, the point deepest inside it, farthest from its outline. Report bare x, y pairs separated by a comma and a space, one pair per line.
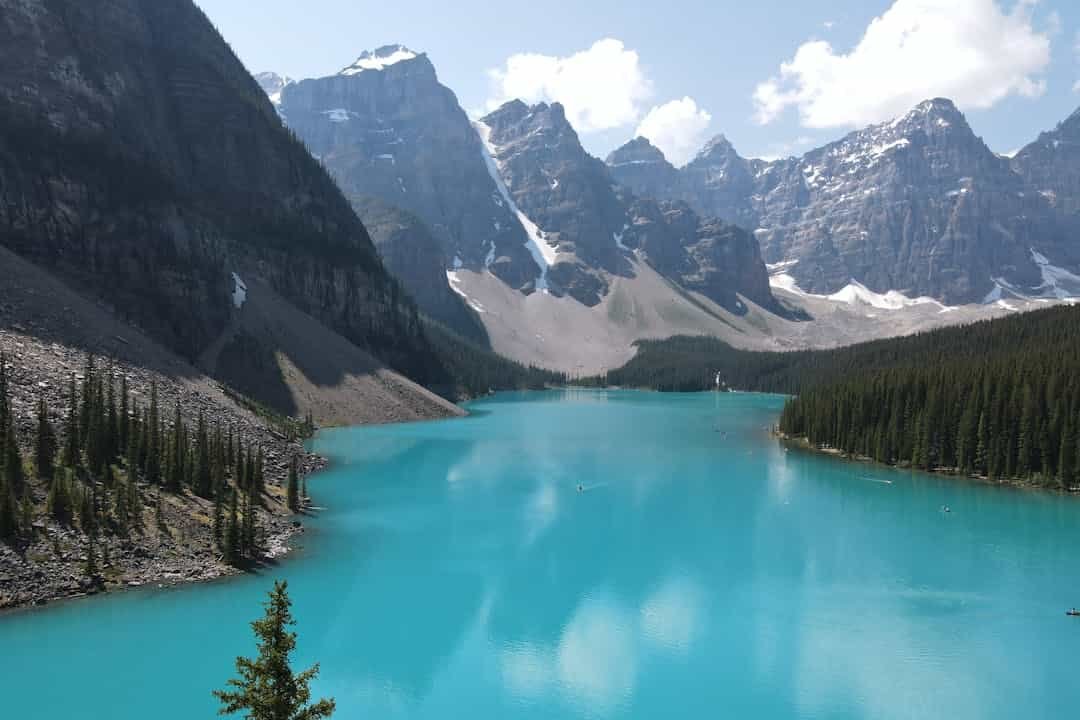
281, 531
279, 548
801, 443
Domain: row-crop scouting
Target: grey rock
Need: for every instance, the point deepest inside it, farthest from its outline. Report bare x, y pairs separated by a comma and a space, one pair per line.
918, 204
394, 132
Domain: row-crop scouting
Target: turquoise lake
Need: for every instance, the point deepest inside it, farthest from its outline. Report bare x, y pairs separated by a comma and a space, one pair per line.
702, 572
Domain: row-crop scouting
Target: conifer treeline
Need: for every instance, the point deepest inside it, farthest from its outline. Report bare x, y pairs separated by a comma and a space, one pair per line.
475, 370
114, 454
999, 399
689, 364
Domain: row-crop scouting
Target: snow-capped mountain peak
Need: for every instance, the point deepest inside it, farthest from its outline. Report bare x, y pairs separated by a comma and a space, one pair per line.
379, 59
272, 84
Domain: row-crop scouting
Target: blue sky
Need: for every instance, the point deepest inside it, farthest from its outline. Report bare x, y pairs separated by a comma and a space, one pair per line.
776, 77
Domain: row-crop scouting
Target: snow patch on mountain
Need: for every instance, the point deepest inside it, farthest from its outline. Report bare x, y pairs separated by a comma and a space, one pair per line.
854, 293
455, 285
273, 85
337, 115
1057, 282
379, 59
239, 294
541, 251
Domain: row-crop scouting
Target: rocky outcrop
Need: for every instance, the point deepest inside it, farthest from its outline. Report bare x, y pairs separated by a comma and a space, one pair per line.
563, 190
918, 204
717, 259
140, 160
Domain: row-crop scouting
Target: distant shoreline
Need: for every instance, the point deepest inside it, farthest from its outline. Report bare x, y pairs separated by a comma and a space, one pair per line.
802, 443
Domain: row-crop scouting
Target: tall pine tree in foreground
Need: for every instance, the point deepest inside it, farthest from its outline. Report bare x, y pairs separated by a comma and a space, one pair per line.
267, 688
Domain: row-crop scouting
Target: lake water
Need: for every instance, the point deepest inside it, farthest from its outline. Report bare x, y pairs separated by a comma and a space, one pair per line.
701, 573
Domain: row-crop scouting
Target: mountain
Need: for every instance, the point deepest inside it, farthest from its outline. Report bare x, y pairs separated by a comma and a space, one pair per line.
385, 127
642, 167
1051, 165
272, 84
143, 165
526, 229
918, 205
562, 195
717, 259
413, 255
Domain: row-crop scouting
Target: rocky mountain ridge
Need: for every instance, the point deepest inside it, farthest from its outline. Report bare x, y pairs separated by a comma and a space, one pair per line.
514, 193
143, 164
918, 204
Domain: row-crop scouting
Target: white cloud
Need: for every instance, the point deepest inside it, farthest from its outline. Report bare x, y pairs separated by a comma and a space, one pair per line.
968, 50
601, 88
678, 128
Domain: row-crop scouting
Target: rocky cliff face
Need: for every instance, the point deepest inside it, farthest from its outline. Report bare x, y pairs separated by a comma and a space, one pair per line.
385, 127
641, 166
717, 259
562, 190
140, 160
514, 194
593, 228
415, 257
1051, 165
919, 205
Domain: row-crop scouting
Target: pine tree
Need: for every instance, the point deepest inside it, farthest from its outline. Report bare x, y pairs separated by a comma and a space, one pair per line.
249, 529
260, 477
233, 550
981, 449
112, 421
91, 559
70, 458
267, 688
1067, 457
87, 406
26, 512
9, 517
293, 488
174, 455
60, 504
12, 469
123, 419
152, 431
203, 482
44, 443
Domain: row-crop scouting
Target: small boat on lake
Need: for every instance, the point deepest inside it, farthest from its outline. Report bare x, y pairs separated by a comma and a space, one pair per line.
1073, 613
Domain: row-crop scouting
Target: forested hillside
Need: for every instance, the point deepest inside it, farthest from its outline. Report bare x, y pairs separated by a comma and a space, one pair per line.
476, 370
689, 364
999, 398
